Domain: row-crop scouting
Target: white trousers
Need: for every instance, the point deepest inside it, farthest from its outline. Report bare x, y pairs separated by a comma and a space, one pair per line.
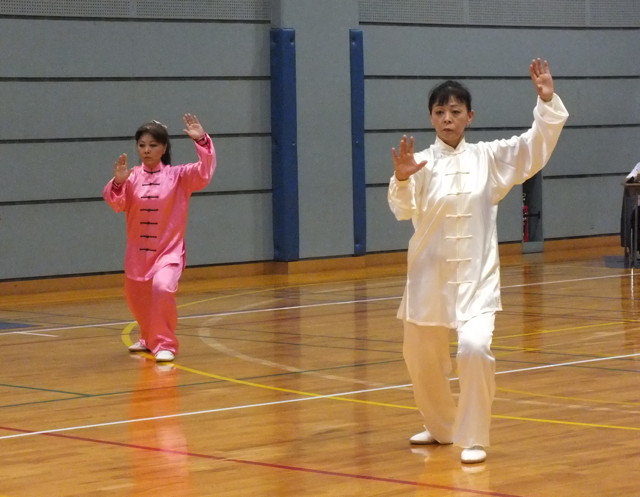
426, 353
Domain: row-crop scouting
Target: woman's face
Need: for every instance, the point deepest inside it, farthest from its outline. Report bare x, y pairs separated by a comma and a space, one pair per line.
450, 121
150, 150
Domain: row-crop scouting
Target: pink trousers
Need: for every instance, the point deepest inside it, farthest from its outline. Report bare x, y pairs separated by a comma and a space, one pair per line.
153, 304
426, 353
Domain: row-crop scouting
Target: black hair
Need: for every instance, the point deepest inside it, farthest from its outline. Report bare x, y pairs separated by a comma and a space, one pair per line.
159, 133
441, 94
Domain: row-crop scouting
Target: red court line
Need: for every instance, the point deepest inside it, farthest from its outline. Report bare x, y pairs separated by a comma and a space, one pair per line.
271, 465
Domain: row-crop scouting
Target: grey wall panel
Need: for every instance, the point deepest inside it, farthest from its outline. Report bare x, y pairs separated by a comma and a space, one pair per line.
88, 237
59, 239
612, 102
578, 151
108, 49
510, 216
70, 170
384, 232
196, 10
541, 13
451, 51
243, 162
402, 104
229, 228
82, 109
52, 171
581, 206
595, 151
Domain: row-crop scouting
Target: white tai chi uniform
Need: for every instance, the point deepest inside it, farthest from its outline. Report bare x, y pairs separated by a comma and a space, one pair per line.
453, 273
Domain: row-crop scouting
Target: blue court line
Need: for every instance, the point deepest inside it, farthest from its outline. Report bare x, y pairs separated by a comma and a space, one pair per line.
5, 325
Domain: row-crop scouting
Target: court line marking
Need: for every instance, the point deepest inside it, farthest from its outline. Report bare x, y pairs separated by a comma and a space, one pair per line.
34, 333
564, 397
311, 396
302, 306
272, 465
335, 396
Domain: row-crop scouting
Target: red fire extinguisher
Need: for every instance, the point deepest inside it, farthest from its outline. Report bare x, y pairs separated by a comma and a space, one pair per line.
525, 219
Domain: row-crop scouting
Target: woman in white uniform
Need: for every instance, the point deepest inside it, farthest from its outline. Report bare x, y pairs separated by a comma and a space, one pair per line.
451, 191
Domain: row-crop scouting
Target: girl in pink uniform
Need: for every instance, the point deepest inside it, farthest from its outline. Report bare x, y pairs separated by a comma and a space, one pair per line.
155, 198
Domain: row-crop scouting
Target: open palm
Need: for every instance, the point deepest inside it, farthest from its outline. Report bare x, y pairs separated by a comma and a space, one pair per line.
193, 128
404, 164
541, 78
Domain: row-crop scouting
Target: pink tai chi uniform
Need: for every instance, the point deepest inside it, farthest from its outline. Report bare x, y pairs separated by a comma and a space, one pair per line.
156, 205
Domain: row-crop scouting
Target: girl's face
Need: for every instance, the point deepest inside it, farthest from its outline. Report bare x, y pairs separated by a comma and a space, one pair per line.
450, 121
150, 150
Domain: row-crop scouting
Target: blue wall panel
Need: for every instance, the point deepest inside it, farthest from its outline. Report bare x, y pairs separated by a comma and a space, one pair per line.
284, 155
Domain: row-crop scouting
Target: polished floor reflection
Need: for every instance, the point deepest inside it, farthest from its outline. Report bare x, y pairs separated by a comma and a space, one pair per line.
295, 386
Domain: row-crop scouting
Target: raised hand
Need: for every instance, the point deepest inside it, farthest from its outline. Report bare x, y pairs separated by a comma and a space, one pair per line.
193, 128
541, 78
404, 164
120, 171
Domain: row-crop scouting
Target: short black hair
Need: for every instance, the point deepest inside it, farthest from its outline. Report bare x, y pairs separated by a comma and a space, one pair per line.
441, 94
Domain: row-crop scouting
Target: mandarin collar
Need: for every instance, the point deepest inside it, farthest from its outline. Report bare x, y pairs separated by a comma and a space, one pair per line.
159, 168
443, 149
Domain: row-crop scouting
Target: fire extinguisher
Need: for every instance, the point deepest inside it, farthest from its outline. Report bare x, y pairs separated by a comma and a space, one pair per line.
525, 219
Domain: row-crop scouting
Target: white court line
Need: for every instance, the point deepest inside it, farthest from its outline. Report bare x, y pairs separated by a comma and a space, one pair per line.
299, 399
304, 306
76, 327
34, 333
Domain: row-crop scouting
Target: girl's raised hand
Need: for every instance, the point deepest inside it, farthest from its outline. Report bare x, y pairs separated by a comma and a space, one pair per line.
404, 164
193, 128
120, 171
541, 78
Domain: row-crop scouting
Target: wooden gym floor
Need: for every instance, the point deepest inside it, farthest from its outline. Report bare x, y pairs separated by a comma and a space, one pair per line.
294, 385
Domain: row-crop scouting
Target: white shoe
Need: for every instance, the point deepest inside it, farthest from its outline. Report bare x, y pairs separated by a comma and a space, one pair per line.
138, 347
425, 438
164, 356
473, 454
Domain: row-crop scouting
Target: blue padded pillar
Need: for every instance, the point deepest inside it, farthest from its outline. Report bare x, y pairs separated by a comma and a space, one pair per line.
284, 152
357, 143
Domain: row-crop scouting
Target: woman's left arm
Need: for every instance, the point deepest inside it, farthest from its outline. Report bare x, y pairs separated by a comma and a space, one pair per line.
198, 175
517, 159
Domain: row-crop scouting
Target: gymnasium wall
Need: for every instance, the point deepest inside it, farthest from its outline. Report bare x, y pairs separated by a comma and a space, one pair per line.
592, 49
78, 77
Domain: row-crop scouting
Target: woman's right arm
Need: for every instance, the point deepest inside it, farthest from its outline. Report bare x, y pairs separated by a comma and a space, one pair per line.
402, 185
115, 190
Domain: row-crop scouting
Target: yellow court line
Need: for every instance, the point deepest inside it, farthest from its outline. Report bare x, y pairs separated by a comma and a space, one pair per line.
126, 338
562, 397
515, 348
573, 328
570, 423
127, 341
